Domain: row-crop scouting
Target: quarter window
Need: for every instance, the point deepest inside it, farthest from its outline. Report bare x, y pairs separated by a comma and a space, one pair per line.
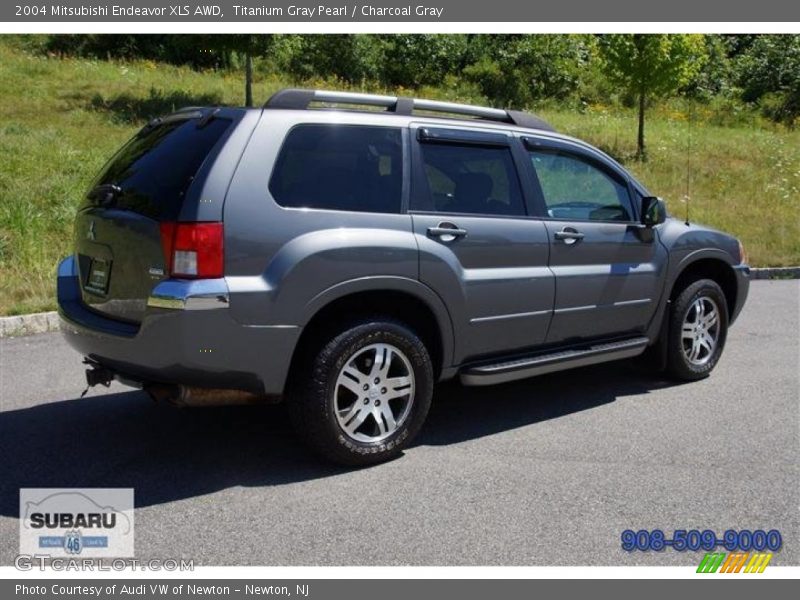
340, 167
575, 189
469, 179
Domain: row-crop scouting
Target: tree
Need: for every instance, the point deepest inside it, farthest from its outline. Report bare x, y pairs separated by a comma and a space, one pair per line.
248, 45
517, 70
194, 50
769, 73
716, 76
648, 66
413, 60
353, 58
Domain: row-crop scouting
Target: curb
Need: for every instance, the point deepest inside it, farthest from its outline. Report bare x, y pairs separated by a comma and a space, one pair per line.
775, 273
28, 324
48, 321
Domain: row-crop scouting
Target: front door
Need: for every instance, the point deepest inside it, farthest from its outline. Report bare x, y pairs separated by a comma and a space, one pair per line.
606, 265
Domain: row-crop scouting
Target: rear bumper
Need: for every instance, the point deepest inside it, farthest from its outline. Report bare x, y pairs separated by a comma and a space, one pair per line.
187, 336
742, 289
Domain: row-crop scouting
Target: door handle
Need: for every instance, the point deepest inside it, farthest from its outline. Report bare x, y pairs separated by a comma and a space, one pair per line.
569, 235
446, 231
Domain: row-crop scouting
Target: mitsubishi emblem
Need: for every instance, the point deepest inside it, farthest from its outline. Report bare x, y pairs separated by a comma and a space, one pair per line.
90, 235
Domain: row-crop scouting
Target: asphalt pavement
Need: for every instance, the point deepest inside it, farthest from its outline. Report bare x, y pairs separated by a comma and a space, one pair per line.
547, 471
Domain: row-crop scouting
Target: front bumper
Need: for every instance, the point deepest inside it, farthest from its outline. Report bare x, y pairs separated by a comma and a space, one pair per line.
187, 336
742, 289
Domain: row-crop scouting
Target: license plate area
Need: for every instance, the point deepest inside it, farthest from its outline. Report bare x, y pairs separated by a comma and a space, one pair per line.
98, 277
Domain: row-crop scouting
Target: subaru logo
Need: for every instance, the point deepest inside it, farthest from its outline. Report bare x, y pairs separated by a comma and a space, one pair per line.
90, 235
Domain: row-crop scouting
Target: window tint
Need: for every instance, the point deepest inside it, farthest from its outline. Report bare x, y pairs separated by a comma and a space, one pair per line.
340, 167
470, 179
155, 168
575, 189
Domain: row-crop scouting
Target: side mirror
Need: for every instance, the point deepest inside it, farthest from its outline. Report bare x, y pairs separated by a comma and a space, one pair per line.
654, 211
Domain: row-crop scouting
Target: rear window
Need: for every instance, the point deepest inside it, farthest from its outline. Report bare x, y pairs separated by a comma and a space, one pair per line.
155, 168
340, 167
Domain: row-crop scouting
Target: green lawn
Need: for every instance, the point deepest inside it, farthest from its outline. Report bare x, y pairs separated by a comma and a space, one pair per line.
61, 118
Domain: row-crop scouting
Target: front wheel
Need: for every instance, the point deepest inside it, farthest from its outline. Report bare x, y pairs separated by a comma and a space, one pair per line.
364, 395
698, 327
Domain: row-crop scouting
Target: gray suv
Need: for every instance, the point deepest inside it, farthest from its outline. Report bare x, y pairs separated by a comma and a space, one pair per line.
348, 251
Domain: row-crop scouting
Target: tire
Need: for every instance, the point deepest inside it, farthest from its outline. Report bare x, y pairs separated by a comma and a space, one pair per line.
383, 418
695, 345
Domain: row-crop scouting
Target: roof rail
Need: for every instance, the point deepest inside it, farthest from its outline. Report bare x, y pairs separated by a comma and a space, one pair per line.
300, 99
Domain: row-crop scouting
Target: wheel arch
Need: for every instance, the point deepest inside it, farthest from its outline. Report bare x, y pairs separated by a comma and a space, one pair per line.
399, 298
707, 266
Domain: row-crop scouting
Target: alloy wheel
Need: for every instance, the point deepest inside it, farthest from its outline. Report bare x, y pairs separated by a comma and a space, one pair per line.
374, 393
700, 331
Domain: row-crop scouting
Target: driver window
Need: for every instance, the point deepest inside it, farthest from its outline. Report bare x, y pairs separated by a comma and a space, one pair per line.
576, 190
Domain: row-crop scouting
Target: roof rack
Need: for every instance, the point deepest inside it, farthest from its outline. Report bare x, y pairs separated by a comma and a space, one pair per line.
300, 99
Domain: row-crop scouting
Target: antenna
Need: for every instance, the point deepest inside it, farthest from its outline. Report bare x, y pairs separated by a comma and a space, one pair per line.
687, 196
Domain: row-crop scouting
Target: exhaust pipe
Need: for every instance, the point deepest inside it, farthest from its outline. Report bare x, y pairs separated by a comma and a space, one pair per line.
184, 396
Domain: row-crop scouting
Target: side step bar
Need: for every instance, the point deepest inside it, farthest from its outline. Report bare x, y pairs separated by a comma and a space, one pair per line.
529, 366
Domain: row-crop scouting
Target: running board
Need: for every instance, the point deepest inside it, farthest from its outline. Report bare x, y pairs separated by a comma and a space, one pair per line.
529, 366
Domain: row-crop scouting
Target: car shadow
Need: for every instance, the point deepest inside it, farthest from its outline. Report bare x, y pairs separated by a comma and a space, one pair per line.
166, 454
129, 109
461, 413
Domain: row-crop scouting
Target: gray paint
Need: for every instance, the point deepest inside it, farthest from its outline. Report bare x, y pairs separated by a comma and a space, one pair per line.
507, 287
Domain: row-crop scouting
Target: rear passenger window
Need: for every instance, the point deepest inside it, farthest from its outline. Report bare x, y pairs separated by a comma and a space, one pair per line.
340, 167
469, 179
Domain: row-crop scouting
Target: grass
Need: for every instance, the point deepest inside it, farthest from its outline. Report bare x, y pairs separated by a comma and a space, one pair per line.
60, 119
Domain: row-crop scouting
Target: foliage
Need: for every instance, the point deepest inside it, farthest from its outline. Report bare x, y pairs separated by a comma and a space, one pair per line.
649, 66
713, 77
413, 60
247, 45
350, 58
656, 63
198, 51
769, 73
519, 70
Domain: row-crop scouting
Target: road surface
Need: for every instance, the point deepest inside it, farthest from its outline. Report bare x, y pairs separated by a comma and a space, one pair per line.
547, 471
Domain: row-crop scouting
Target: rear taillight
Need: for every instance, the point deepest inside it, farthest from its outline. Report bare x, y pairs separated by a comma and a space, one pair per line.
193, 250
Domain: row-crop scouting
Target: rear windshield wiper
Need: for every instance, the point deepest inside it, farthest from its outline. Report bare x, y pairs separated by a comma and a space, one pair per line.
105, 193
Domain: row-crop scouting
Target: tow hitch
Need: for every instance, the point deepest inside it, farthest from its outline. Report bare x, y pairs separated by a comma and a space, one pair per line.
96, 374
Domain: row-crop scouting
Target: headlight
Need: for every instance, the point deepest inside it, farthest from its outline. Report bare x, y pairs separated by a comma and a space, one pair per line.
742, 254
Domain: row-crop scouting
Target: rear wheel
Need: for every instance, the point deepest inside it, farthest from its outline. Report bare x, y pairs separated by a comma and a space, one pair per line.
364, 394
698, 327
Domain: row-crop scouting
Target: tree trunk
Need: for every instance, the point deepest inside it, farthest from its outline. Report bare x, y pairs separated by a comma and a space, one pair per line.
640, 139
248, 79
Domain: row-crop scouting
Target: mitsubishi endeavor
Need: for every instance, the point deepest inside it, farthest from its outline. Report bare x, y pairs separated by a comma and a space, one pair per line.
345, 252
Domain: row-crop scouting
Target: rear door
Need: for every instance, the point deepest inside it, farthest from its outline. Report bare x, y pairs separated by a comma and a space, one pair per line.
606, 265
118, 227
479, 248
